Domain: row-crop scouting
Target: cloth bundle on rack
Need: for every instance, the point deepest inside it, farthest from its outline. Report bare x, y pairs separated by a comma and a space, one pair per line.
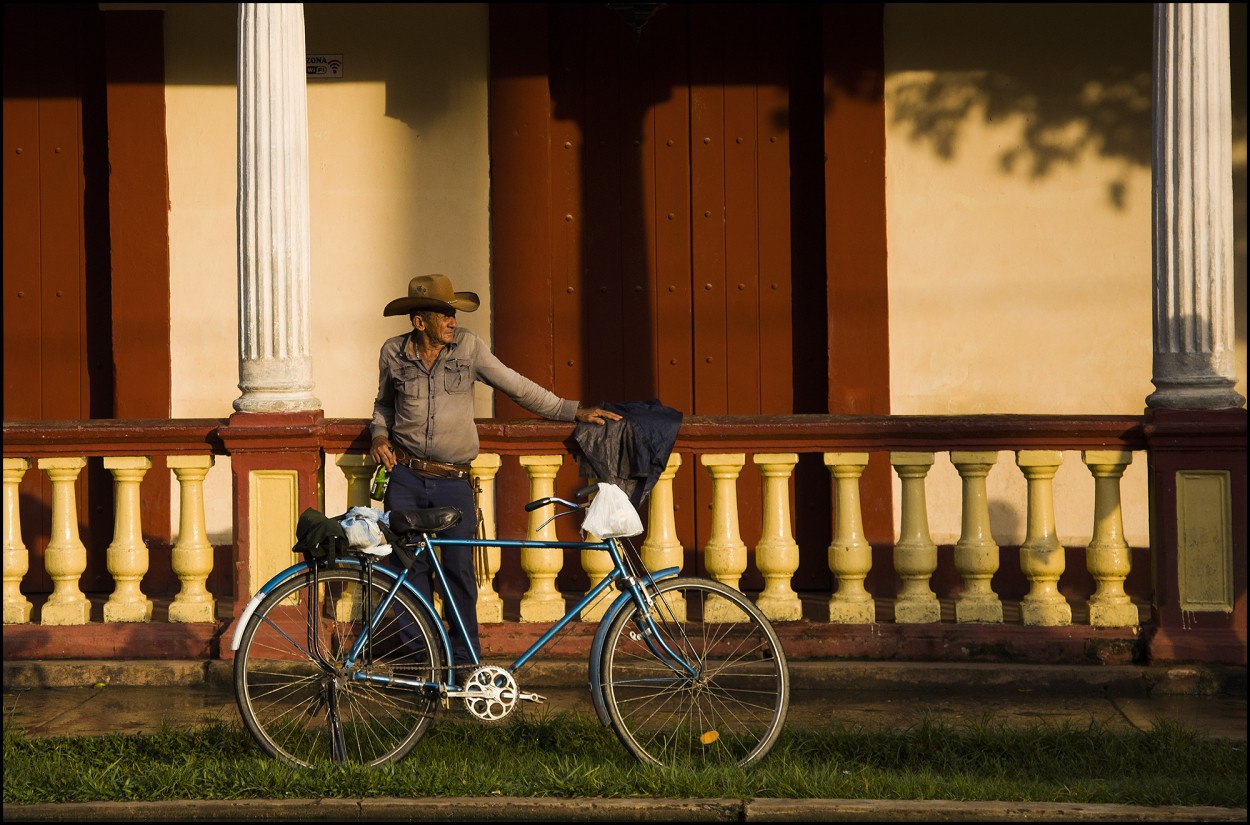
630, 453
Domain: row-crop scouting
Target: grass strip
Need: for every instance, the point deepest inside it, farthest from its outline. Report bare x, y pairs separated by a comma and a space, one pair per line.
571, 756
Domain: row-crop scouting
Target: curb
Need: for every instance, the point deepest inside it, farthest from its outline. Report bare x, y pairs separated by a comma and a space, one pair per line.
517, 809
826, 675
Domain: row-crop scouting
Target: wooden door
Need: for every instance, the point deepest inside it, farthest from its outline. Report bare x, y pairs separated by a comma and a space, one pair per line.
57, 336
642, 199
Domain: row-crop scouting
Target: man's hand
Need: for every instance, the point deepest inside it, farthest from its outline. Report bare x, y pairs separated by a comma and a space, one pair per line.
594, 415
382, 453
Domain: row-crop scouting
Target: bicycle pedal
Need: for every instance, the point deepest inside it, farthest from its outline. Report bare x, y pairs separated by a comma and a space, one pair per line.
532, 697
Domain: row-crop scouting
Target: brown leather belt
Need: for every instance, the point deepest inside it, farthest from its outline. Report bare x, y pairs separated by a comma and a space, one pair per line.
431, 468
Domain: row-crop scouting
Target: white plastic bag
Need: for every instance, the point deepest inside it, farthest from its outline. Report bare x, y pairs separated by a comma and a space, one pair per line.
361, 527
611, 515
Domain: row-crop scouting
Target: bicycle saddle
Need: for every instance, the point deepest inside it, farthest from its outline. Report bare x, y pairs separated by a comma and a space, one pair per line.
424, 520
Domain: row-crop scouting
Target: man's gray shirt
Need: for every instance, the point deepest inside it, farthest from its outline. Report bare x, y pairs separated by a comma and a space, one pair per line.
429, 412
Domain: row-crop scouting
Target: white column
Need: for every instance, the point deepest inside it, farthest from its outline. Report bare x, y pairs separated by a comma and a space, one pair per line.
275, 363
1194, 346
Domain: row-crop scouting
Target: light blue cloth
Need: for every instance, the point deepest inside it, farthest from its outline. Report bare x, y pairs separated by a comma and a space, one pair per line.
361, 526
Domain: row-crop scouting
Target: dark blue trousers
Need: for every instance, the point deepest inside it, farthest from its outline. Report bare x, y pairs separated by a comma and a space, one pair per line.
408, 490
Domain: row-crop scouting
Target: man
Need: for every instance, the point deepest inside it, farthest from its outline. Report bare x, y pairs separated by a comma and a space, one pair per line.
424, 433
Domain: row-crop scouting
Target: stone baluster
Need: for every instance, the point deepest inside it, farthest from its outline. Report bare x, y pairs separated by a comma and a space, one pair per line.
661, 547
777, 554
358, 469
1108, 557
486, 560
16, 556
850, 554
915, 554
976, 554
597, 564
127, 556
542, 602
1042, 557
725, 554
192, 556
65, 557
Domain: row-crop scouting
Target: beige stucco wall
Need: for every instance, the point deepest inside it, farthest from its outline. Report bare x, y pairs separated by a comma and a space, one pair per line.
1018, 191
1018, 212
398, 181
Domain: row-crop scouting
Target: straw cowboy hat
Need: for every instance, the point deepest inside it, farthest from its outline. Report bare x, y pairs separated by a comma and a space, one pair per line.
432, 292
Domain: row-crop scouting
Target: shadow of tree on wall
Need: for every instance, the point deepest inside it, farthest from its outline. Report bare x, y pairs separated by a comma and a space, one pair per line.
1108, 116
1077, 80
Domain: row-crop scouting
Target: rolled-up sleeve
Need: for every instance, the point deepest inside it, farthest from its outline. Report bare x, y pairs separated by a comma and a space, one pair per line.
523, 391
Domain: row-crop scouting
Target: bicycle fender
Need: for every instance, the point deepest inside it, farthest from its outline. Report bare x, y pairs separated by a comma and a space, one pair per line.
302, 567
265, 590
596, 647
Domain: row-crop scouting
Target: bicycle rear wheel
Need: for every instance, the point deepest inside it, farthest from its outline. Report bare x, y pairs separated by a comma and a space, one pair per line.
731, 703
303, 707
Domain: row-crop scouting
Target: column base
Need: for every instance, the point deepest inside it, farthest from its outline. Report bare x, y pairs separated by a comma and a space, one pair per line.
132, 612
780, 609
1057, 613
65, 613
846, 612
925, 611
1113, 615
978, 609
192, 613
17, 613
541, 609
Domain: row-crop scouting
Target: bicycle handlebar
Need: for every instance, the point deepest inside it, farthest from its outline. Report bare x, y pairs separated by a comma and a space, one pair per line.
543, 502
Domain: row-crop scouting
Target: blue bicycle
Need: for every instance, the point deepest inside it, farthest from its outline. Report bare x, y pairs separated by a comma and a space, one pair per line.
344, 659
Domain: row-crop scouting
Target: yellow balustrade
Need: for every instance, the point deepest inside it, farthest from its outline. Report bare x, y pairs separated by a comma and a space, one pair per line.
1107, 556
915, 553
486, 560
976, 553
127, 555
192, 554
661, 548
17, 607
725, 554
1041, 553
542, 602
777, 554
358, 469
597, 564
65, 557
850, 554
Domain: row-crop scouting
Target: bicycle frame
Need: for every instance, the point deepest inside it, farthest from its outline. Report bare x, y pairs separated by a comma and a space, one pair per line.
632, 589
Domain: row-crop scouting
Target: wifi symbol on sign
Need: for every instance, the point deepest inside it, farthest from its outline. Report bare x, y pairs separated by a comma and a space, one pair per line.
336, 67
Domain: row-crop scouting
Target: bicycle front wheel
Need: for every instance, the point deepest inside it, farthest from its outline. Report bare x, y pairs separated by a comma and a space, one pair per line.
299, 697
699, 677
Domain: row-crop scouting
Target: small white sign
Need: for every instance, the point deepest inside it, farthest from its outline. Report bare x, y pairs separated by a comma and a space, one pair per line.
323, 66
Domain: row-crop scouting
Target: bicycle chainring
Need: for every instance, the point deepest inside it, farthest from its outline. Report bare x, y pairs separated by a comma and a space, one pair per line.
490, 693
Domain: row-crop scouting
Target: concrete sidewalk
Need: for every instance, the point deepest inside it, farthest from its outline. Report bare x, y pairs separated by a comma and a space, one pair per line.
90, 698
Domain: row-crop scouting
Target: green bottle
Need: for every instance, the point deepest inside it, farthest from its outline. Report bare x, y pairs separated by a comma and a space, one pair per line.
380, 479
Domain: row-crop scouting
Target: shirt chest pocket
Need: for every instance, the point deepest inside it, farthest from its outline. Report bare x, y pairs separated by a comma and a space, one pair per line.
410, 382
456, 377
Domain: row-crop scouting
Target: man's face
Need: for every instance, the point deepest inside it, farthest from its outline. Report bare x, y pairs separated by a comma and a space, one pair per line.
439, 327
